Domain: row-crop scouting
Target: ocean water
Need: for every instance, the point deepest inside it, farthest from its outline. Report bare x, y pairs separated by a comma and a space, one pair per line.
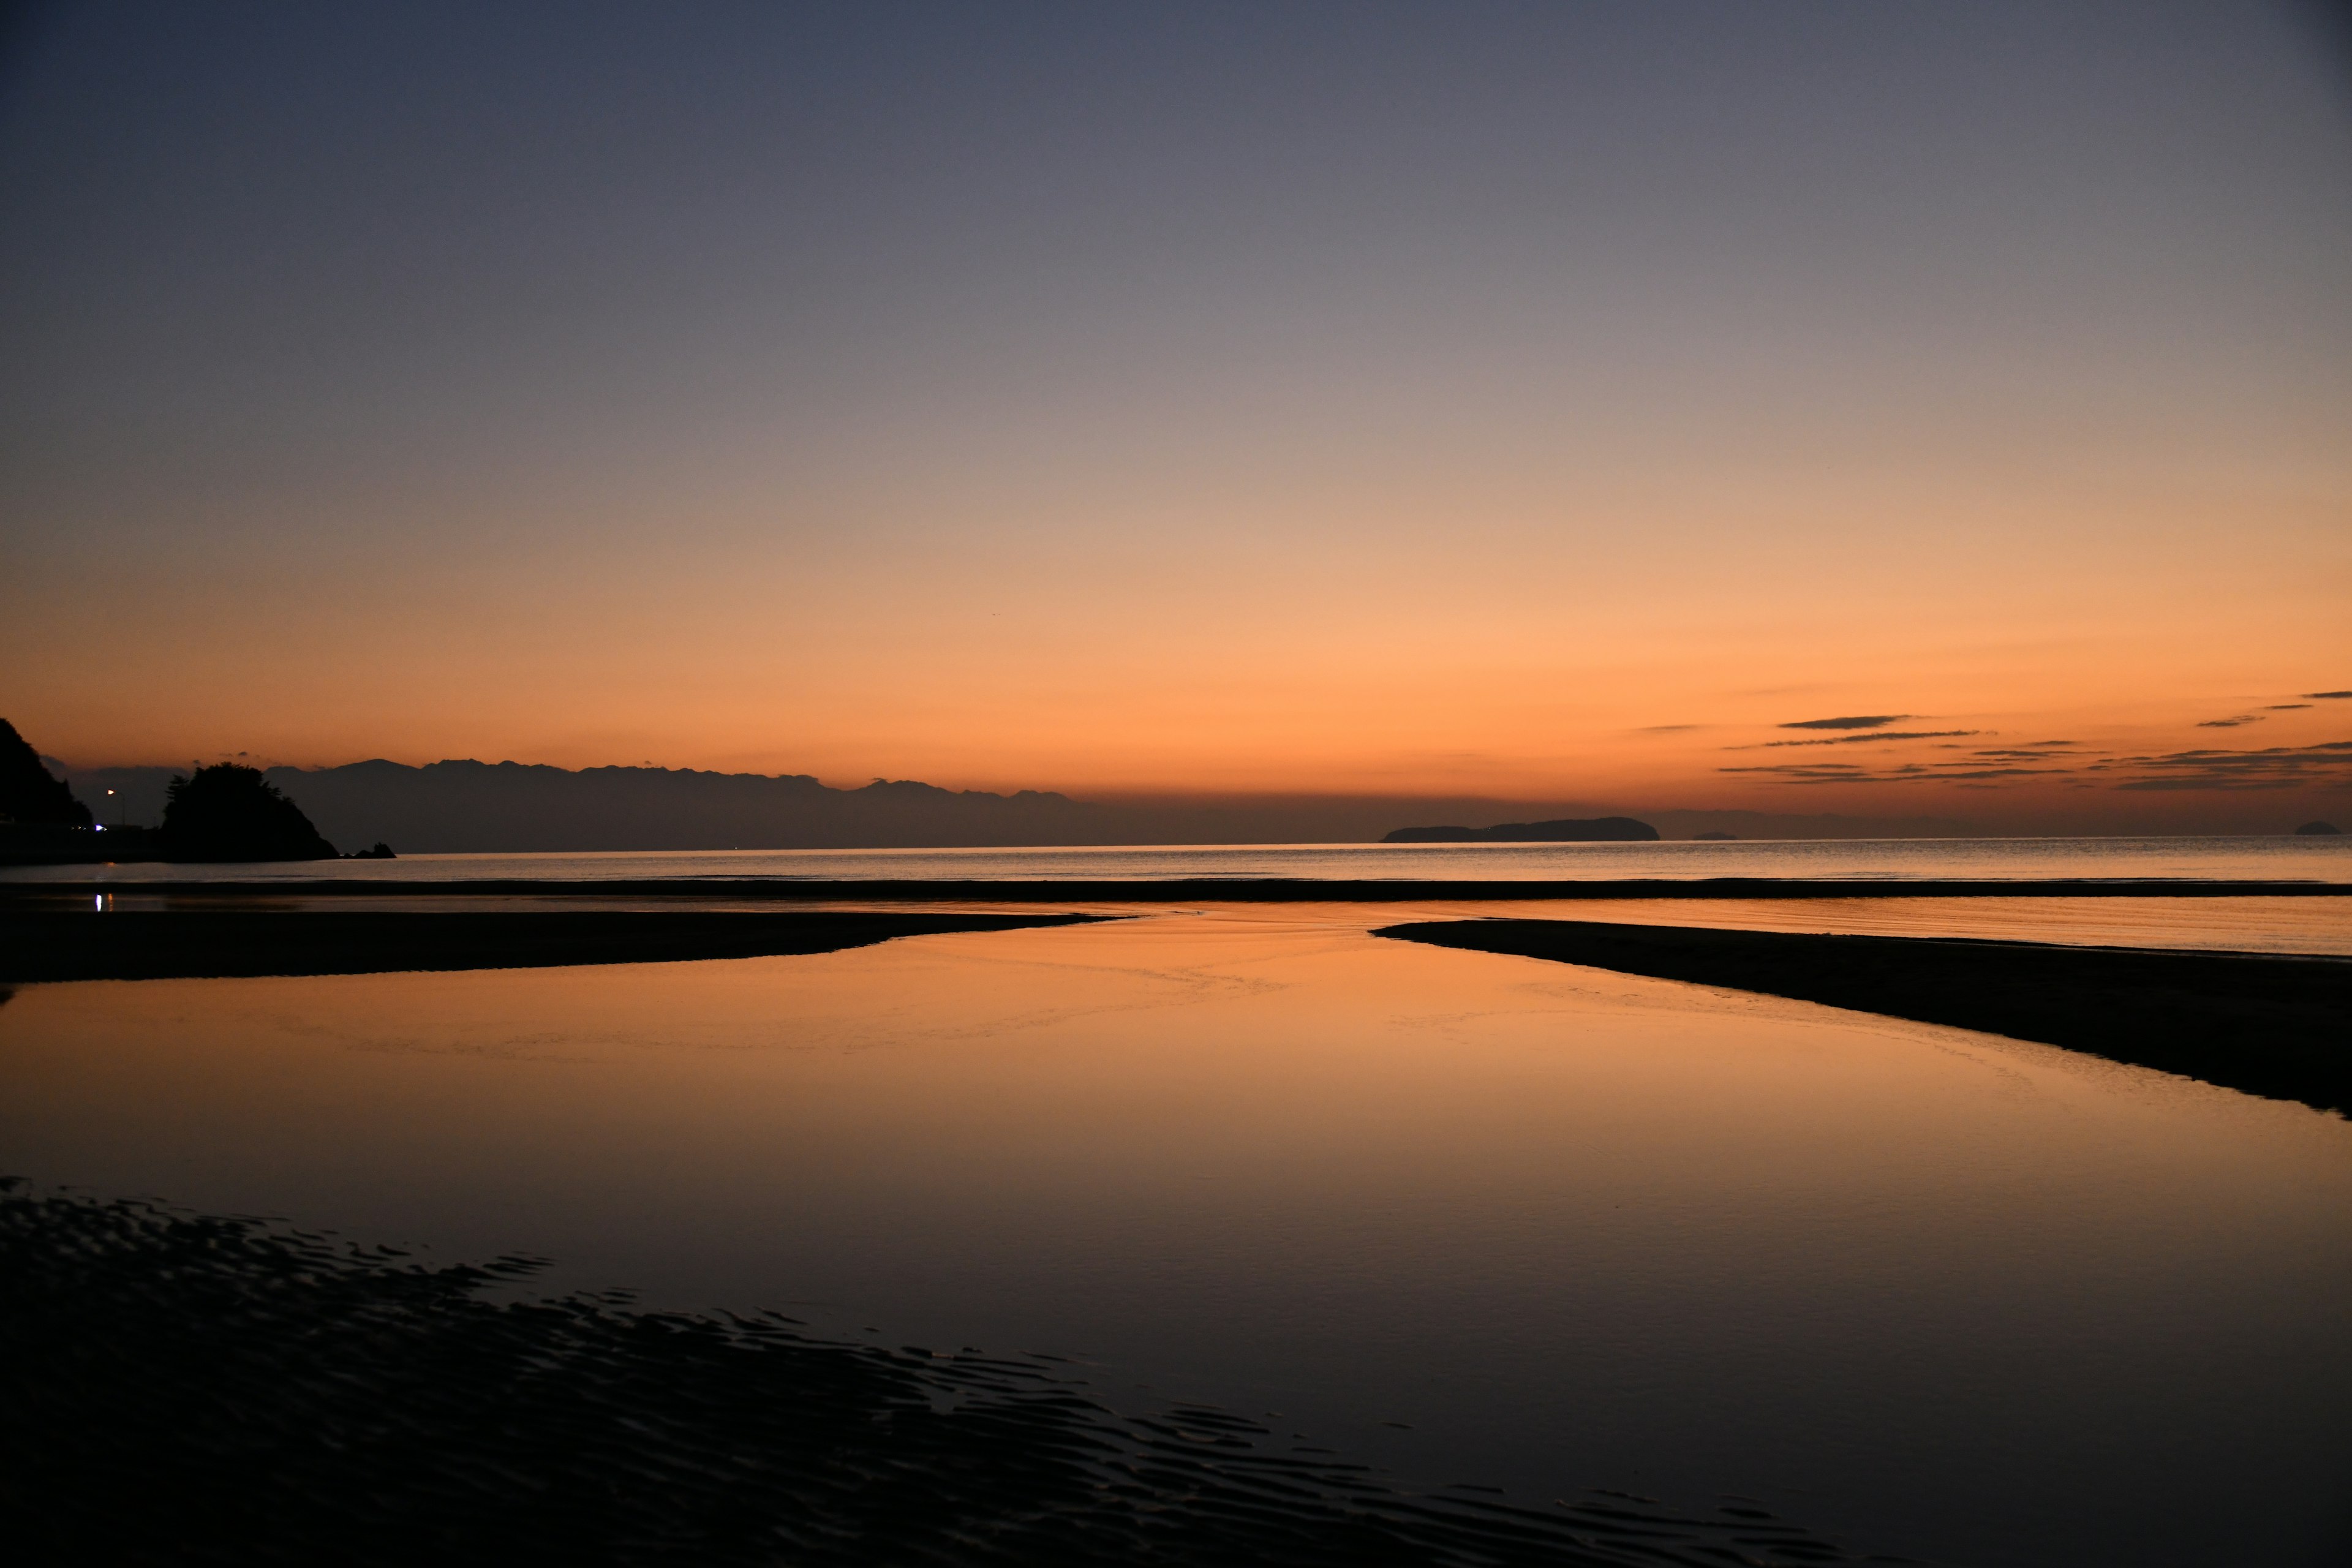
2254, 924
1464, 1217
1892, 859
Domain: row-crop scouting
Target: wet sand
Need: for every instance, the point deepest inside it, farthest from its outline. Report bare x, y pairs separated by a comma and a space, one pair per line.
218, 941
2265, 1024
191, 1388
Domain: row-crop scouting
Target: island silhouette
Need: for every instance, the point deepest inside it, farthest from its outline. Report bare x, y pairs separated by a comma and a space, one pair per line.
229, 812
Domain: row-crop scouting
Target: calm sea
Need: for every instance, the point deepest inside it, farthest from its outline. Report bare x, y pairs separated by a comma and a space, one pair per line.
1883, 860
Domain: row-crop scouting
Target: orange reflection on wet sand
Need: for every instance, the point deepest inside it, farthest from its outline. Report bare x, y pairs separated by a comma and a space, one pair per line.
1569, 1227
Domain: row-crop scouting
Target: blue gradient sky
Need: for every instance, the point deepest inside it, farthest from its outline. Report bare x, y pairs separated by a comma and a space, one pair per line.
1122, 398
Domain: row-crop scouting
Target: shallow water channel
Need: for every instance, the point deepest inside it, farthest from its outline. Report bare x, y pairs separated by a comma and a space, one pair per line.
1471, 1218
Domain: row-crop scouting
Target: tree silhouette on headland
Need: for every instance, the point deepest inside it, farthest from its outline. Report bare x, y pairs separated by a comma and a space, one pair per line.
227, 812
28, 792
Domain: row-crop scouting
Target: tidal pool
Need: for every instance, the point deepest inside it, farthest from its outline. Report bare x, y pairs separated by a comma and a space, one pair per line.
1472, 1218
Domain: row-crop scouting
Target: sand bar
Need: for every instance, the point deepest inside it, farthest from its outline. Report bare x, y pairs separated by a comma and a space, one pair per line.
2263, 1024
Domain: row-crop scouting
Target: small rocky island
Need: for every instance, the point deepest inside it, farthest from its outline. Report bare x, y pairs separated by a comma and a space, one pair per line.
224, 812
1566, 830
228, 812
2319, 830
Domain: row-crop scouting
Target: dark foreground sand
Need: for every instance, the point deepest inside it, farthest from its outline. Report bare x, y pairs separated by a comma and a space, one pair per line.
2270, 1026
191, 1389
163, 944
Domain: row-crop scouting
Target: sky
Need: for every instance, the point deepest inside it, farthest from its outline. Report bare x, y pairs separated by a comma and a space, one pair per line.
1536, 401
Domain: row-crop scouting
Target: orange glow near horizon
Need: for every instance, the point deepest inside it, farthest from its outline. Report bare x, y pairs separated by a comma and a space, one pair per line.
1492, 658
1552, 430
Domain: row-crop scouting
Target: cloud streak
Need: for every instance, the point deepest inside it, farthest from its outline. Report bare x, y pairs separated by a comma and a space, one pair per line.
1852, 721
2272, 767
1860, 740
2325, 766
2038, 752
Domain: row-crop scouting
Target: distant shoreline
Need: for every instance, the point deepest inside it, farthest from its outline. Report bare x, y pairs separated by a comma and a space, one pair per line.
1215, 890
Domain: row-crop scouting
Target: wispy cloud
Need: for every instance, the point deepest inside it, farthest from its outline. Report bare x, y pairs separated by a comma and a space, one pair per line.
1880, 735
2285, 707
2272, 767
1666, 728
2229, 723
2328, 696
2324, 766
1854, 721
1910, 773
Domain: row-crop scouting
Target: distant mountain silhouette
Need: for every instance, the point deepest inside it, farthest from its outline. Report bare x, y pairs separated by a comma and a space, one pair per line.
28, 792
2318, 830
474, 807
463, 806
1568, 830
227, 812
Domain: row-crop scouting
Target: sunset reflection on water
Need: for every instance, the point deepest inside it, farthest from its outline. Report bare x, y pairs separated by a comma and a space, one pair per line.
1478, 1218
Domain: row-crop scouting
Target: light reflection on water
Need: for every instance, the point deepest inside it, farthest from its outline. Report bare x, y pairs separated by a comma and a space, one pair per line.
1895, 859
1955, 1296
2254, 924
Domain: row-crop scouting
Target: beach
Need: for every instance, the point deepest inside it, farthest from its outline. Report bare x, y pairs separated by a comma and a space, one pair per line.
1502, 1230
